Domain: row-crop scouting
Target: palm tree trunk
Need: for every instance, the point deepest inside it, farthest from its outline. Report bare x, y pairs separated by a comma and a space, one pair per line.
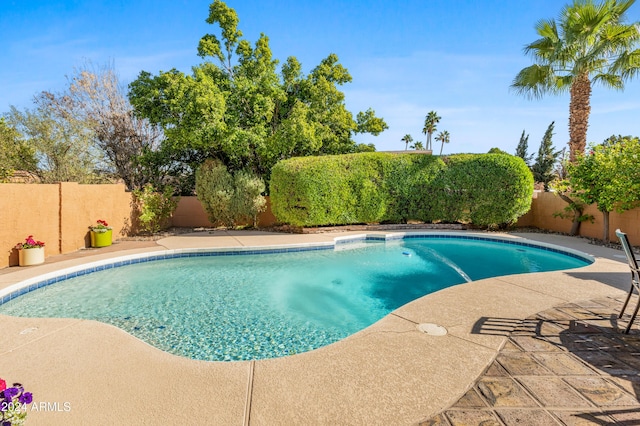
441, 148
579, 110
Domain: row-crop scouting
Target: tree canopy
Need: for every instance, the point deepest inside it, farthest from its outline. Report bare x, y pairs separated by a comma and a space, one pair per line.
522, 149
543, 168
431, 121
15, 154
589, 44
609, 176
239, 107
62, 143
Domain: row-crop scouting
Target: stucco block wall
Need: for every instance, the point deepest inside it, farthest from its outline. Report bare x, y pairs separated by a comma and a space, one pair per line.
545, 204
59, 214
83, 205
28, 210
190, 213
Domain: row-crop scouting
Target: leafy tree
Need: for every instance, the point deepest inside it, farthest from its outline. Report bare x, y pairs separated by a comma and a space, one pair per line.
63, 144
590, 43
96, 98
609, 176
236, 107
522, 148
496, 150
430, 124
15, 154
613, 139
443, 137
543, 168
361, 147
417, 145
407, 139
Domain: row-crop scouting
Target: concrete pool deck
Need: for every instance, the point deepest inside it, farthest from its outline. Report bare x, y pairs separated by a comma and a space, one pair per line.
85, 372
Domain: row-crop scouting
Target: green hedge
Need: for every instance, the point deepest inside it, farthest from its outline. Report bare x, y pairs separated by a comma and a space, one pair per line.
353, 188
483, 189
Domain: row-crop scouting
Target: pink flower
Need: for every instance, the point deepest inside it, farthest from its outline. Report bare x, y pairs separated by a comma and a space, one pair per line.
29, 242
3, 385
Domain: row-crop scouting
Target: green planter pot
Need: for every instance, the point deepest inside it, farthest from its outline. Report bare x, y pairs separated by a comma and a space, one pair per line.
101, 239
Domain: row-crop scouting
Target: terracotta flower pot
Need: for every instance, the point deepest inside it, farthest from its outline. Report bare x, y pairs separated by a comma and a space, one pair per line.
31, 256
101, 239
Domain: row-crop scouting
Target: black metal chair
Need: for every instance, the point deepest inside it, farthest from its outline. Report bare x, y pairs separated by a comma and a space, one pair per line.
635, 277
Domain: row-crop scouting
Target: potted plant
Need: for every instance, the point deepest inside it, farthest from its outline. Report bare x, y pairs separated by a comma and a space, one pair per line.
13, 404
31, 252
100, 234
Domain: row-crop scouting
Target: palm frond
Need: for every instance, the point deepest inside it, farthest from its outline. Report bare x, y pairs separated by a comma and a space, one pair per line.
613, 81
563, 83
627, 64
534, 81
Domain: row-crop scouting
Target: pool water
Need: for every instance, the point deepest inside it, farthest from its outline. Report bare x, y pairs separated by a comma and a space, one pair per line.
224, 308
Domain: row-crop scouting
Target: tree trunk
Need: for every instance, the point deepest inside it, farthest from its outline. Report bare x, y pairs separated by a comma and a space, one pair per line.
575, 225
579, 110
605, 217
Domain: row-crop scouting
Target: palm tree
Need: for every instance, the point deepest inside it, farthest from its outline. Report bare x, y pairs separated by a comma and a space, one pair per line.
444, 138
430, 122
417, 146
590, 43
407, 139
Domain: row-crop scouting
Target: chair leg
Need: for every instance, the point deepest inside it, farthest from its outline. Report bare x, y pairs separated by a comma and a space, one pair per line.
626, 302
633, 317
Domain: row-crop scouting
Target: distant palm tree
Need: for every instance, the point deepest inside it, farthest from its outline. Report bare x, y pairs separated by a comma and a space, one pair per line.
430, 122
417, 146
407, 139
444, 138
590, 43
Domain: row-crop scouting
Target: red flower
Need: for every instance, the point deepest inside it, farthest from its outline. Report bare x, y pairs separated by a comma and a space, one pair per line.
3, 385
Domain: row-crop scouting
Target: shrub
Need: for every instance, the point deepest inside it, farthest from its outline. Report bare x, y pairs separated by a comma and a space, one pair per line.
226, 198
248, 201
155, 208
483, 189
214, 189
310, 191
407, 179
354, 188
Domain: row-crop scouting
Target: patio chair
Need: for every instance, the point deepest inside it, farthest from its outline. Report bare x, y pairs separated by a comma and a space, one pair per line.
635, 277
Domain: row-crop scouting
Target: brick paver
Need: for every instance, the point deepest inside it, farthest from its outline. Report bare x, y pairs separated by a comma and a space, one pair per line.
570, 365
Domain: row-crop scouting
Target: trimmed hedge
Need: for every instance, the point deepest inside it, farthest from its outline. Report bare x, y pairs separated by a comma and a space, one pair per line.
352, 188
483, 189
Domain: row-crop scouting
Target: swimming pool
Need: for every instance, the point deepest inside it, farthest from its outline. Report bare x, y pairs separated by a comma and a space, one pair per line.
213, 305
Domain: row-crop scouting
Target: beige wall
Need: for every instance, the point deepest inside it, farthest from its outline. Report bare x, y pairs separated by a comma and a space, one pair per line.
59, 214
546, 203
83, 205
28, 210
190, 213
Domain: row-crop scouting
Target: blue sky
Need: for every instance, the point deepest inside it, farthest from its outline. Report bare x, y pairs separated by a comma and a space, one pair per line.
406, 57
